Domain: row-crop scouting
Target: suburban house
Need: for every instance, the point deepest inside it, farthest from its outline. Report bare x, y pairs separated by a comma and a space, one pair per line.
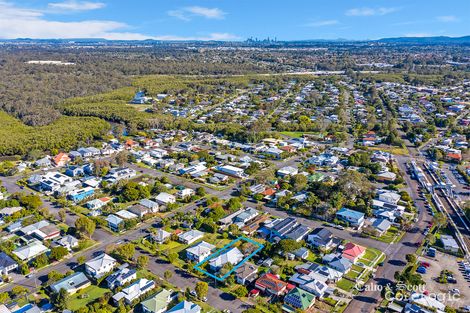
72, 283
287, 171
232, 256
61, 159
114, 222
68, 242
190, 236
316, 271
341, 264
231, 171
30, 251
121, 276
327, 274
199, 252
134, 291
246, 273
353, 252
100, 266
158, 303
386, 176
81, 194
185, 307
354, 218
7, 264
126, 215
159, 237
380, 225
43, 230
149, 204
321, 238
139, 210
96, 204
165, 198
240, 217
185, 193
298, 300
9, 211
287, 228
389, 197
272, 285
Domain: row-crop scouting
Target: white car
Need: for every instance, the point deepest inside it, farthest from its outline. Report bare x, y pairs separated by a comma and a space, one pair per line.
455, 291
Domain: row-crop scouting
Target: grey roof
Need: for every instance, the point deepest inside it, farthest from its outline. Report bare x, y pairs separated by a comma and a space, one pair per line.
233, 256
6, 260
73, 281
381, 224
185, 307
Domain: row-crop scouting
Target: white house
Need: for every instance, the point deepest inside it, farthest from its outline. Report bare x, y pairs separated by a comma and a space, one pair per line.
30, 251
184, 193
232, 256
190, 236
199, 252
287, 171
389, 197
100, 265
68, 242
134, 291
165, 198
231, 171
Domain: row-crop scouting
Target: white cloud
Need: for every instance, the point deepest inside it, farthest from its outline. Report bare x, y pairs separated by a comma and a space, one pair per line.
370, 11
187, 13
73, 5
16, 22
179, 14
322, 23
447, 18
212, 13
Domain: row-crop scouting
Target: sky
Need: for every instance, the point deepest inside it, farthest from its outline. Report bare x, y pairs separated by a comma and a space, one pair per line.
233, 19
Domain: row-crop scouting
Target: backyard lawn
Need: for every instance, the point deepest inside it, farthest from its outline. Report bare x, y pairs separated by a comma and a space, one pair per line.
345, 284
87, 295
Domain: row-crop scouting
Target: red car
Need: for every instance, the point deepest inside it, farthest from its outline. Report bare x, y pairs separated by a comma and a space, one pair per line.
425, 264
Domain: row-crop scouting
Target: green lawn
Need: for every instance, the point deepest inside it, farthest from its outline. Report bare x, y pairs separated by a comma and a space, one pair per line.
172, 246
370, 256
216, 239
92, 292
345, 284
352, 274
393, 234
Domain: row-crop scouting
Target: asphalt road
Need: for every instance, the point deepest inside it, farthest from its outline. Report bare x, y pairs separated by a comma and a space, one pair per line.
362, 303
367, 301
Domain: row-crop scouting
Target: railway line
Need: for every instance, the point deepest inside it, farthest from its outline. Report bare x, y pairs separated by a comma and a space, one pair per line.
447, 205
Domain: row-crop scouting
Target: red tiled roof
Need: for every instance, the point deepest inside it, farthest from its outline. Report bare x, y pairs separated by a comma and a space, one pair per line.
271, 282
268, 192
352, 251
454, 156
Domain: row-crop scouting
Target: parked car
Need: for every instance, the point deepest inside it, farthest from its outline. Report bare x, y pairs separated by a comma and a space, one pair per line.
421, 270
425, 264
455, 291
